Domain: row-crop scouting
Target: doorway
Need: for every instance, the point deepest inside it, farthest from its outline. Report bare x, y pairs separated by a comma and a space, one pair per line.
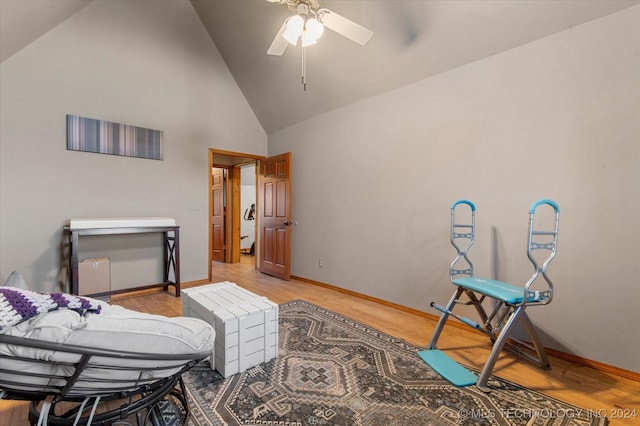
231, 174
272, 218
248, 209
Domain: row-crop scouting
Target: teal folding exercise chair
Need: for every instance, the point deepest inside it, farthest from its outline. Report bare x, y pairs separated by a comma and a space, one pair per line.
505, 304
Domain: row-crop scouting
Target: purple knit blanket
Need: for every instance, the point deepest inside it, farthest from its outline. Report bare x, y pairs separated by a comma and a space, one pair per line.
18, 305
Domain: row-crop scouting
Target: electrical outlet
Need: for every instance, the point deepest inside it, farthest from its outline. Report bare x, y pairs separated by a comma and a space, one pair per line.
321, 263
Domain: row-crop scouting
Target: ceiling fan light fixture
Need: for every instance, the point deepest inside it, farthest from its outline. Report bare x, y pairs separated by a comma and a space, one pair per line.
295, 27
314, 28
308, 25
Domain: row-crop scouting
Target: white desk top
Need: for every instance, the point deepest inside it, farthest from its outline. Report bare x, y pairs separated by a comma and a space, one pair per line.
120, 222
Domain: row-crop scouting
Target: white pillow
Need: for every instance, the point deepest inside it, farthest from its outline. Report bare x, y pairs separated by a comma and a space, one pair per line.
125, 329
16, 280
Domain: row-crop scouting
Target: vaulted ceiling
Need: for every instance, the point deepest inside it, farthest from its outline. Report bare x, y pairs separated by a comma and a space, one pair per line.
413, 40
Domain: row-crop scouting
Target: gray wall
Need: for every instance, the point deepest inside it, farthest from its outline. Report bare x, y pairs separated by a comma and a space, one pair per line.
149, 64
557, 118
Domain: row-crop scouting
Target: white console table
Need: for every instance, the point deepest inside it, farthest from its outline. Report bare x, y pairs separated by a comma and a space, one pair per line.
171, 242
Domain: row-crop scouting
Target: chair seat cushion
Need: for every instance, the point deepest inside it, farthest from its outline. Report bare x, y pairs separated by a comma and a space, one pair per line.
507, 293
156, 338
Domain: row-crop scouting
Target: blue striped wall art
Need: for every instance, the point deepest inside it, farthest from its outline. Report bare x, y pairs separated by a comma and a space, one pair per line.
104, 137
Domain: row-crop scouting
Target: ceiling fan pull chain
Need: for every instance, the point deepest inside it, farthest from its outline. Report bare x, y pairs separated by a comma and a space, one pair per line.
304, 69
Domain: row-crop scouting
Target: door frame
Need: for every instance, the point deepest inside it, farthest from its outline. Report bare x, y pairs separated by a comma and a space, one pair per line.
229, 160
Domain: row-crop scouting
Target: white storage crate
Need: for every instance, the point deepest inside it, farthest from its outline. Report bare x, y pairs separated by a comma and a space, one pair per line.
246, 324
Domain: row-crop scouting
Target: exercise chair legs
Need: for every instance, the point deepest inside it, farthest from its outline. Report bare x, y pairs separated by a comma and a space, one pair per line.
500, 342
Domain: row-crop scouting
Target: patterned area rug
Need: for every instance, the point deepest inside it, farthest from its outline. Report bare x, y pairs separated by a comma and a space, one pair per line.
332, 370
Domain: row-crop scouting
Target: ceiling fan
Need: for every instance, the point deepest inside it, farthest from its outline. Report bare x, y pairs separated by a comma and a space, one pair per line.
308, 22
307, 25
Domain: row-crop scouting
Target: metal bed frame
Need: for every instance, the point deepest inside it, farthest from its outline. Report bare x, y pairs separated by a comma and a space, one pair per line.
74, 398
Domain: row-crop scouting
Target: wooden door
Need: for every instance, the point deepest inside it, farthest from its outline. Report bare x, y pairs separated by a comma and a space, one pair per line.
217, 215
274, 194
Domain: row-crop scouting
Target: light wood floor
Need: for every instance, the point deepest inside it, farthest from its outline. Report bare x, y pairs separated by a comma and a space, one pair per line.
584, 387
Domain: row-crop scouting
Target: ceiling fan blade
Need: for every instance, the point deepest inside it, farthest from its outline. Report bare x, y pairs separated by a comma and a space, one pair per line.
279, 43
345, 27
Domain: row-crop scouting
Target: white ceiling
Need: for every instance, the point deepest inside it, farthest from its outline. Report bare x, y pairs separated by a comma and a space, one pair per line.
413, 40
